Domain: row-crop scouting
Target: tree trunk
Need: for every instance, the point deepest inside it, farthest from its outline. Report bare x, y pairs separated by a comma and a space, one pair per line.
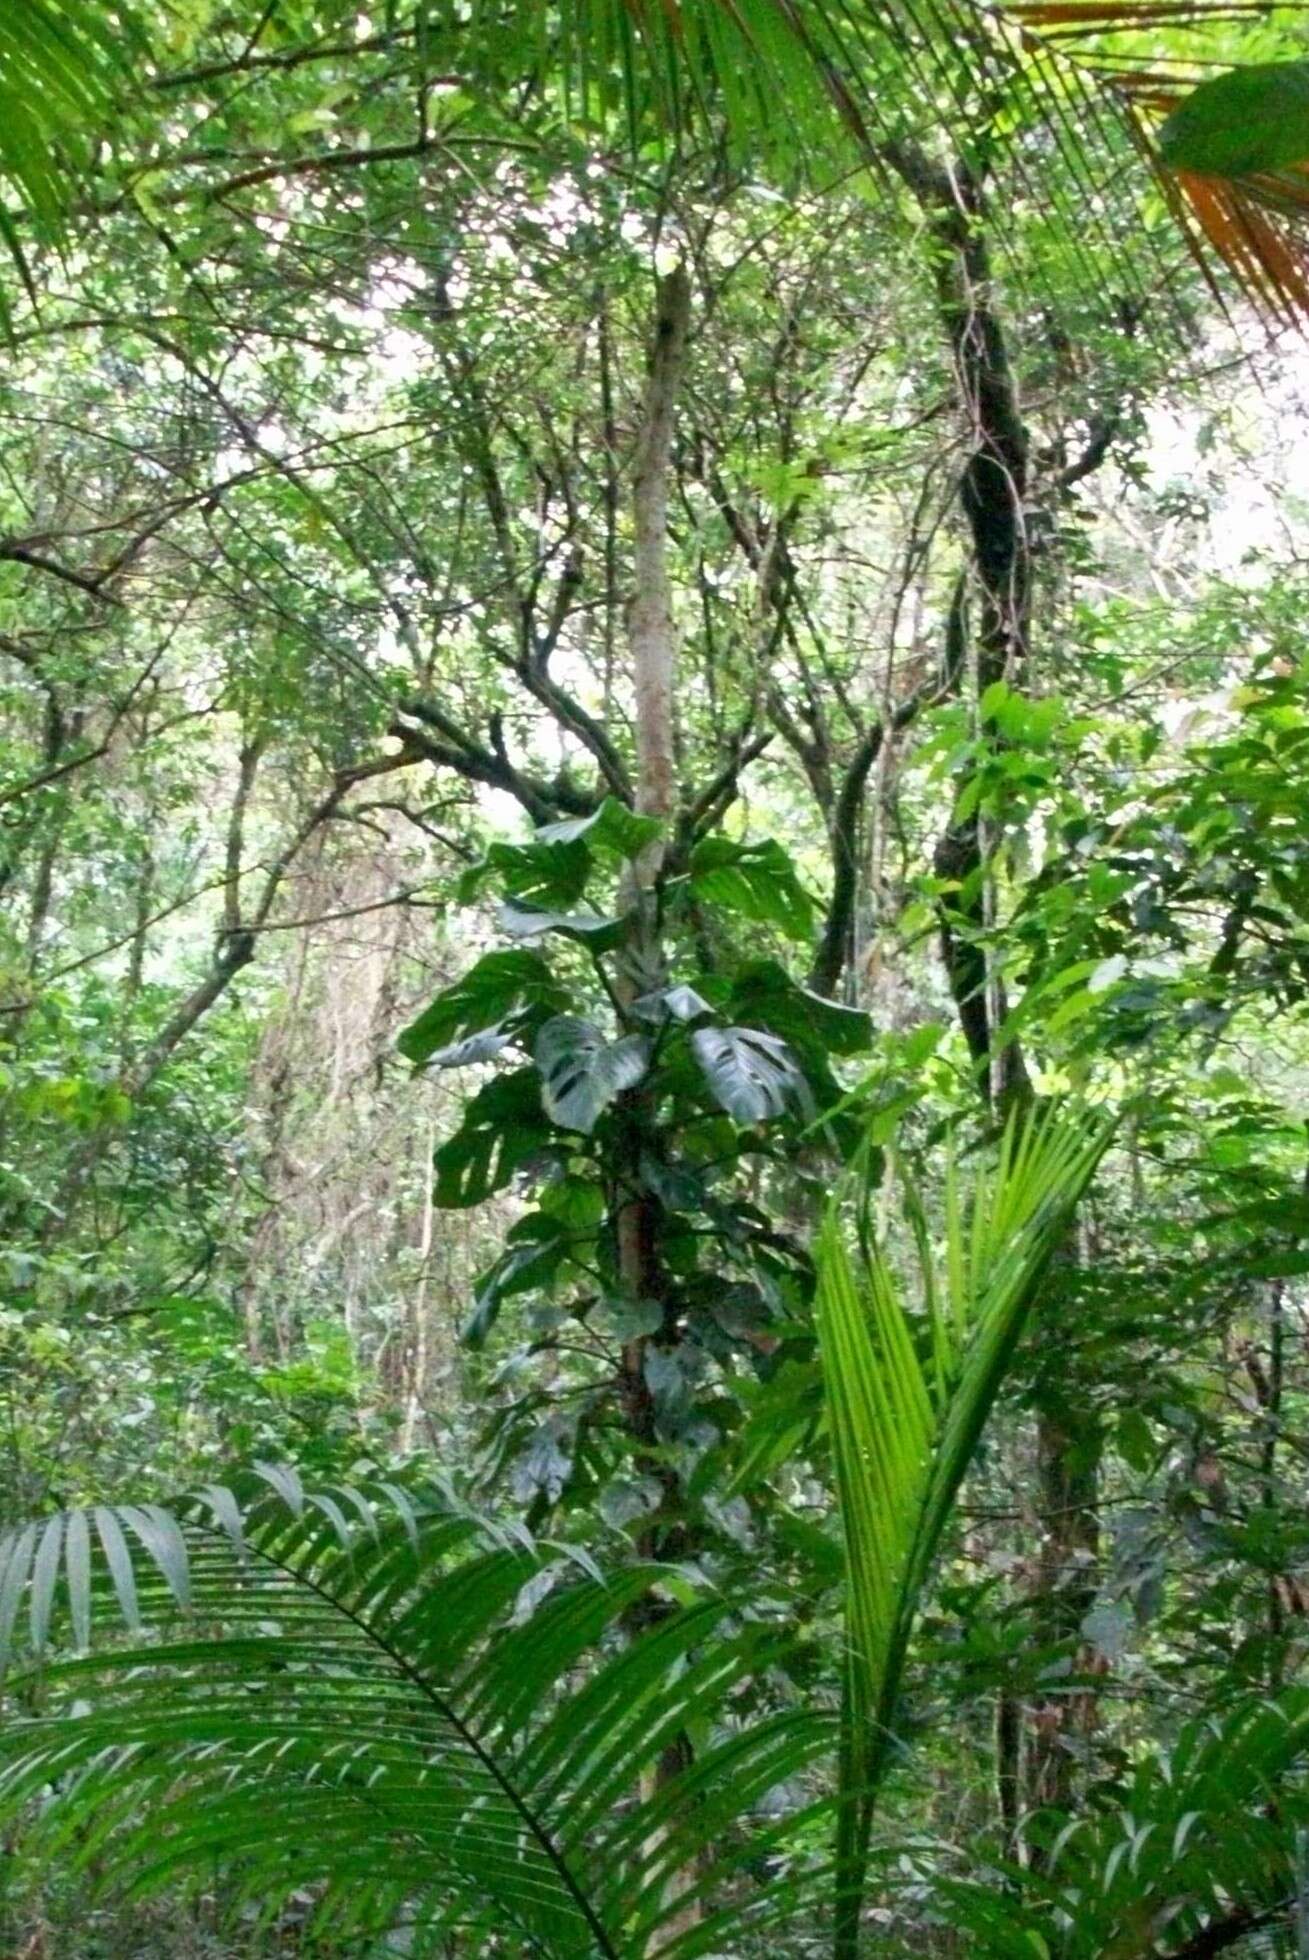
652, 636
993, 494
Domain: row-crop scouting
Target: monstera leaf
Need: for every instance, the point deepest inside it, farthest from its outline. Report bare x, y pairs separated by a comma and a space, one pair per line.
477, 1005
752, 1075
582, 1071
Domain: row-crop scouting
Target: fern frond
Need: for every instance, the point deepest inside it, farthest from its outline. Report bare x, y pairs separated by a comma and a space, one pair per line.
1200, 1848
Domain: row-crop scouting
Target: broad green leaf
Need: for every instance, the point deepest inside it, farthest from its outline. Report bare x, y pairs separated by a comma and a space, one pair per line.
764, 993
502, 1127
545, 873
594, 929
751, 1074
613, 827
582, 1072
1240, 124
757, 881
481, 998
532, 1259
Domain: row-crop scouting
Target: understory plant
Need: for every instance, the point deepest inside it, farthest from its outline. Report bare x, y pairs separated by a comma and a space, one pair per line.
374, 1700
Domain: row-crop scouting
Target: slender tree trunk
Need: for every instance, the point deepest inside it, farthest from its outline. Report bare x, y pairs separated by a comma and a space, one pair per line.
652, 635
652, 630
993, 495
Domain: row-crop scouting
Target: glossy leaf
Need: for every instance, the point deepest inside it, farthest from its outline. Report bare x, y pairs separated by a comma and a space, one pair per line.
479, 1000
582, 1072
750, 1074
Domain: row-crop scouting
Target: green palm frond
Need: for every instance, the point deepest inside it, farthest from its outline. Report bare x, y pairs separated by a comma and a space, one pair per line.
908, 1398
361, 1695
1199, 1850
63, 65
1057, 101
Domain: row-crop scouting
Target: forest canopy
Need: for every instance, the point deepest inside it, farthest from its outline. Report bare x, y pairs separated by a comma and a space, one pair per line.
654, 1267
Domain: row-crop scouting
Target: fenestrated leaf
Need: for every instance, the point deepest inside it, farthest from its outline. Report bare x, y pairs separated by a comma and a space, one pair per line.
1247, 122
503, 1126
547, 872
481, 998
751, 1074
765, 993
582, 1072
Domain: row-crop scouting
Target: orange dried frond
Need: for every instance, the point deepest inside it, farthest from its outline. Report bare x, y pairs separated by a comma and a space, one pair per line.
1270, 264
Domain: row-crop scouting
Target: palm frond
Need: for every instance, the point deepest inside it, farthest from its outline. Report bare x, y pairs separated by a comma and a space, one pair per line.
357, 1694
1199, 1848
63, 65
908, 1398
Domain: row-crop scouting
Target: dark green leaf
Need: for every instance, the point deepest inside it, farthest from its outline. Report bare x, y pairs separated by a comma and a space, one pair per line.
582, 1072
531, 1262
541, 873
503, 1126
764, 993
613, 827
522, 921
751, 1074
485, 995
758, 881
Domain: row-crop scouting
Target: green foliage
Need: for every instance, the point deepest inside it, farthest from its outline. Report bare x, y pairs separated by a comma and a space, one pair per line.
62, 64
494, 1738
419, 1716
908, 1400
1240, 124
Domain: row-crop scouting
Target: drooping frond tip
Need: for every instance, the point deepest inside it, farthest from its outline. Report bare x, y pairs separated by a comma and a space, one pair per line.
1229, 150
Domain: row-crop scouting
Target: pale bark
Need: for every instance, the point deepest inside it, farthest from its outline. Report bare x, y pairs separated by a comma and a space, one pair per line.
652, 631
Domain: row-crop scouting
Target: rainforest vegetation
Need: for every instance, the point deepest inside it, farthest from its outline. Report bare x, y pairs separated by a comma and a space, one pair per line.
654, 837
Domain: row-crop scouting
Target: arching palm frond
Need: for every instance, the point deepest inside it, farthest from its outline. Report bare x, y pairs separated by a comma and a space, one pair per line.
908, 1397
365, 1699
63, 64
364, 1696
1064, 97
1226, 146
1199, 1852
